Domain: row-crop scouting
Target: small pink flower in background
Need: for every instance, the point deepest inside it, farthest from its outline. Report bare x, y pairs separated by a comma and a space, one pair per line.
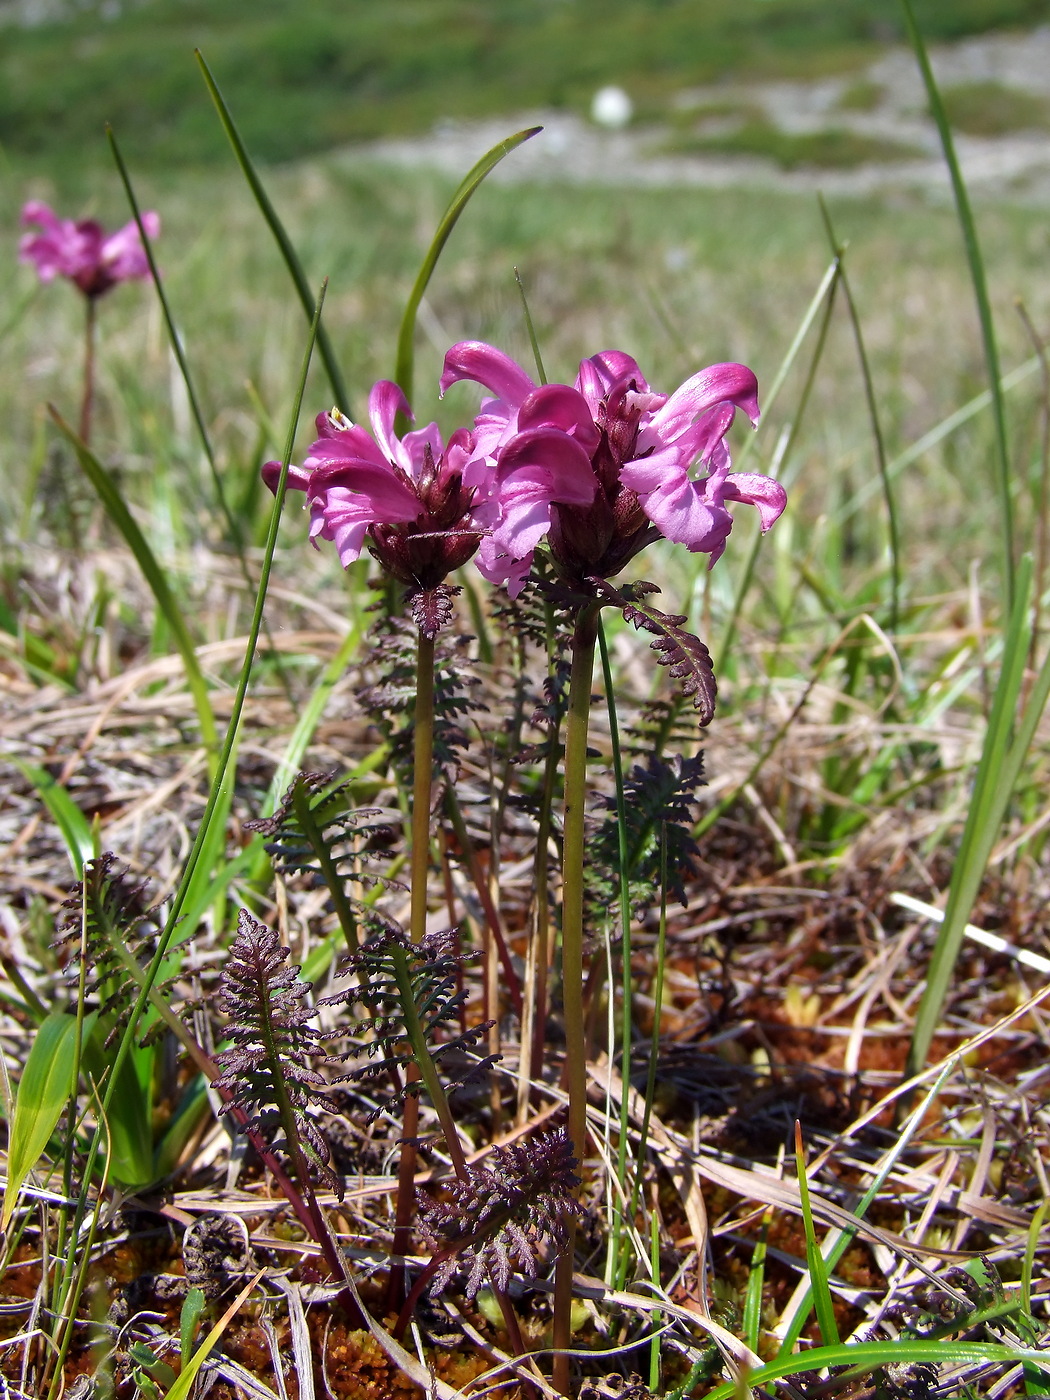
603, 468
416, 497
82, 250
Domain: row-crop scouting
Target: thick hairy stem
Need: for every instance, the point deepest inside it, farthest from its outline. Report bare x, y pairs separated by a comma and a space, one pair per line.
583, 643
423, 772
88, 394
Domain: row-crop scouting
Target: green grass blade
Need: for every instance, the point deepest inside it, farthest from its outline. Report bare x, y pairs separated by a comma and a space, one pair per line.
876, 424
838, 1242
183, 1387
70, 1301
284, 243
996, 776
980, 288
405, 368
751, 1321
70, 820
541, 373
936, 435
825, 295
42, 1095
174, 339
867, 1356
129, 1115
618, 1259
113, 503
818, 1272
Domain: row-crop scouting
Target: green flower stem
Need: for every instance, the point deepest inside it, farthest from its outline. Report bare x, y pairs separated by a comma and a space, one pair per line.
423, 759
573, 850
616, 1264
87, 401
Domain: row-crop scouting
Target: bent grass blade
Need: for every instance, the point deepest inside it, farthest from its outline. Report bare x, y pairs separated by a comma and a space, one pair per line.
404, 371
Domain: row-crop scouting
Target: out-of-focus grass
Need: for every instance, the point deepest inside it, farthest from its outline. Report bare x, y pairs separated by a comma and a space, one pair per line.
306, 76
991, 109
833, 148
680, 278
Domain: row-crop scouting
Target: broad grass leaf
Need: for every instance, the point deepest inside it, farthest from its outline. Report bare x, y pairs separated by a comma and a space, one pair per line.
70, 820
129, 1116
43, 1093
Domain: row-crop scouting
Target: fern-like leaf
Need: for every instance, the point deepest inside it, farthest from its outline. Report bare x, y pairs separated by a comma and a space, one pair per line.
266, 1070
507, 1212
109, 923
431, 968
316, 831
659, 797
688, 660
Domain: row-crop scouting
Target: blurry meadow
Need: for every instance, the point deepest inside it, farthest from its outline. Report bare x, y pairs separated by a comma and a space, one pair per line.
761, 1208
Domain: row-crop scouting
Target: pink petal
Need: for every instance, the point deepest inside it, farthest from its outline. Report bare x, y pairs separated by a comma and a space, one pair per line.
524, 524
569, 476
385, 401
298, 480
473, 359
558, 406
598, 374
731, 383
381, 495
676, 505
767, 495
412, 445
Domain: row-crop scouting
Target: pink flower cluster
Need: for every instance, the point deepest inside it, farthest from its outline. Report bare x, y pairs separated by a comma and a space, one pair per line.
599, 470
82, 250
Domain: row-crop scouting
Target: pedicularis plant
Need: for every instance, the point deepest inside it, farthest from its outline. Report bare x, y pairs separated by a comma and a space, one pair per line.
584, 476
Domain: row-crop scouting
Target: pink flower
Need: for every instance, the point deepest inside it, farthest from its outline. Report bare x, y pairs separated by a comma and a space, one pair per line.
417, 498
82, 251
603, 468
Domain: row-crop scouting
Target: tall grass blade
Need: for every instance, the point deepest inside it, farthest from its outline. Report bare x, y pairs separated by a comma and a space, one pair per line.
876, 424
405, 366
541, 373
616, 1268
827, 289
284, 243
999, 768
174, 339
864, 1357
818, 1272
70, 1302
980, 288
42, 1095
113, 503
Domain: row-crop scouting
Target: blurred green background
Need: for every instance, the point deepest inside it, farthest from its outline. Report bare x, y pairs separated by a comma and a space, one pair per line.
306, 75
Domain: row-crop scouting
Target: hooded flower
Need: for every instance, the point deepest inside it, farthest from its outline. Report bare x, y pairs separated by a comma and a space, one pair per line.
83, 251
603, 468
417, 498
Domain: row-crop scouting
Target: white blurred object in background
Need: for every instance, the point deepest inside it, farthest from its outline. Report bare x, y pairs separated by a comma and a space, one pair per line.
611, 107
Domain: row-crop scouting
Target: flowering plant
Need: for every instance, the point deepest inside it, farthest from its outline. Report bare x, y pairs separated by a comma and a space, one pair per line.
422, 502
603, 468
82, 250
